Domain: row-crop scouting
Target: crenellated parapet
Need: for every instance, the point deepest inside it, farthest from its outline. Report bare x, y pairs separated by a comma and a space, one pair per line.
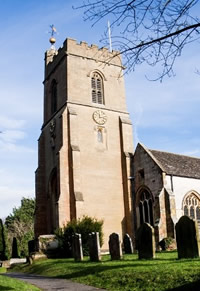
82, 50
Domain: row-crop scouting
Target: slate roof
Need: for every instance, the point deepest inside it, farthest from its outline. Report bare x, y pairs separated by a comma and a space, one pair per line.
178, 165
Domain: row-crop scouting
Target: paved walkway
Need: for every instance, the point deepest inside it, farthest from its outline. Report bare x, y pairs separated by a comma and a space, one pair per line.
49, 283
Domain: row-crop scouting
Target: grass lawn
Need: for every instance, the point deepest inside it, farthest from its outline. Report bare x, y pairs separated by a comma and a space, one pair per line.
163, 273
13, 284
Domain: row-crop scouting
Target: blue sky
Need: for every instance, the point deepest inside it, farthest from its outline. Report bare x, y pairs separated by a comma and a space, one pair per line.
165, 115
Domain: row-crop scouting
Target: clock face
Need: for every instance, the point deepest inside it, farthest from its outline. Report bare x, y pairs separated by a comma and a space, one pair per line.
99, 117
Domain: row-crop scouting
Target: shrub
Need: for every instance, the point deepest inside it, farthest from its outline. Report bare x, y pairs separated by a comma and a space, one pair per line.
83, 226
167, 243
20, 224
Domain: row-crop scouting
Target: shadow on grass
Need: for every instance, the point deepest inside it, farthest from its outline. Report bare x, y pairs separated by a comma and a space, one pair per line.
85, 268
194, 286
6, 288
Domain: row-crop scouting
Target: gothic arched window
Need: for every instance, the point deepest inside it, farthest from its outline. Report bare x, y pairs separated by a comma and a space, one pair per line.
97, 88
191, 206
145, 207
53, 96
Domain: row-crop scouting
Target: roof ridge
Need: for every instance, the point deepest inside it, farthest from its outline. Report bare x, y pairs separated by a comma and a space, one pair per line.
175, 154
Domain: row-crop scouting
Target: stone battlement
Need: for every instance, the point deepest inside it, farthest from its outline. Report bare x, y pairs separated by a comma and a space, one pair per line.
72, 48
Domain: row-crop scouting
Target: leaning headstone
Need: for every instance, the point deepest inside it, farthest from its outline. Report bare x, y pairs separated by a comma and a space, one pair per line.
14, 248
94, 247
146, 241
128, 245
115, 246
187, 238
77, 247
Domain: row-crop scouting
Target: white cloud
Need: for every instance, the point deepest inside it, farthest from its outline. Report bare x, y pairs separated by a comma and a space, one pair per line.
12, 135
8, 147
194, 152
11, 197
11, 123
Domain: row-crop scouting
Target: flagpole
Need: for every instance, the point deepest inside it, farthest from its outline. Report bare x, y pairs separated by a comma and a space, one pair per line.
109, 36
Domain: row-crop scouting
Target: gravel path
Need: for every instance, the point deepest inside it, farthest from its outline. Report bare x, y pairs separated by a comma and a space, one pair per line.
49, 283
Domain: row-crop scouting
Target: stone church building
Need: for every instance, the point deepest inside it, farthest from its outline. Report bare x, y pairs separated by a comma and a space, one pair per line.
86, 141
165, 187
86, 161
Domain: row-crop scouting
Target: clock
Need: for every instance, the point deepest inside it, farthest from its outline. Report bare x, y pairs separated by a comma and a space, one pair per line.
99, 117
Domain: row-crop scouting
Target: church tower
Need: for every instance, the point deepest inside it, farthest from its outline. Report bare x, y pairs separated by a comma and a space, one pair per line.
86, 141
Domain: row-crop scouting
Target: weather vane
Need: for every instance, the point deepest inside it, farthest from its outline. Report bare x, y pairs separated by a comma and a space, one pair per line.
52, 39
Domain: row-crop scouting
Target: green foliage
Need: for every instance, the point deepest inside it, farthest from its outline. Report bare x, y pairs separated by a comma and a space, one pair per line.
3, 270
20, 224
23, 213
2, 242
167, 243
83, 226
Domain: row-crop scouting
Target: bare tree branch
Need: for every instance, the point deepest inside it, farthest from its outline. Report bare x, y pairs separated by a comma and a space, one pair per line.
147, 31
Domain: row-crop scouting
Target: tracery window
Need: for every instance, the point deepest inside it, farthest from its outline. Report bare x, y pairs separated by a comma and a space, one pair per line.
53, 96
97, 88
145, 207
191, 206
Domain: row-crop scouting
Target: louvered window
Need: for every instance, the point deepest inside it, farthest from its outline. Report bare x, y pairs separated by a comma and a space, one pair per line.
97, 88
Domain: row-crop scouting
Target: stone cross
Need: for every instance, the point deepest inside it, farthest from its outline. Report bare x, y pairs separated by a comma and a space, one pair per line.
146, 241
94, 247
128, 245
187, 238
77, 247
115, 246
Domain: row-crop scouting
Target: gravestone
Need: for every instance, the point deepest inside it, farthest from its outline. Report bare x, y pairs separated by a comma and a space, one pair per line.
187, 238
94, 247
146, 241
128, 245
115, 246
77, 247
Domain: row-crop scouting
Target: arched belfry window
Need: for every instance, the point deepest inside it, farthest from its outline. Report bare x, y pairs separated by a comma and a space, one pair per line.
191, 206
53, 96
97, 88
145, 206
